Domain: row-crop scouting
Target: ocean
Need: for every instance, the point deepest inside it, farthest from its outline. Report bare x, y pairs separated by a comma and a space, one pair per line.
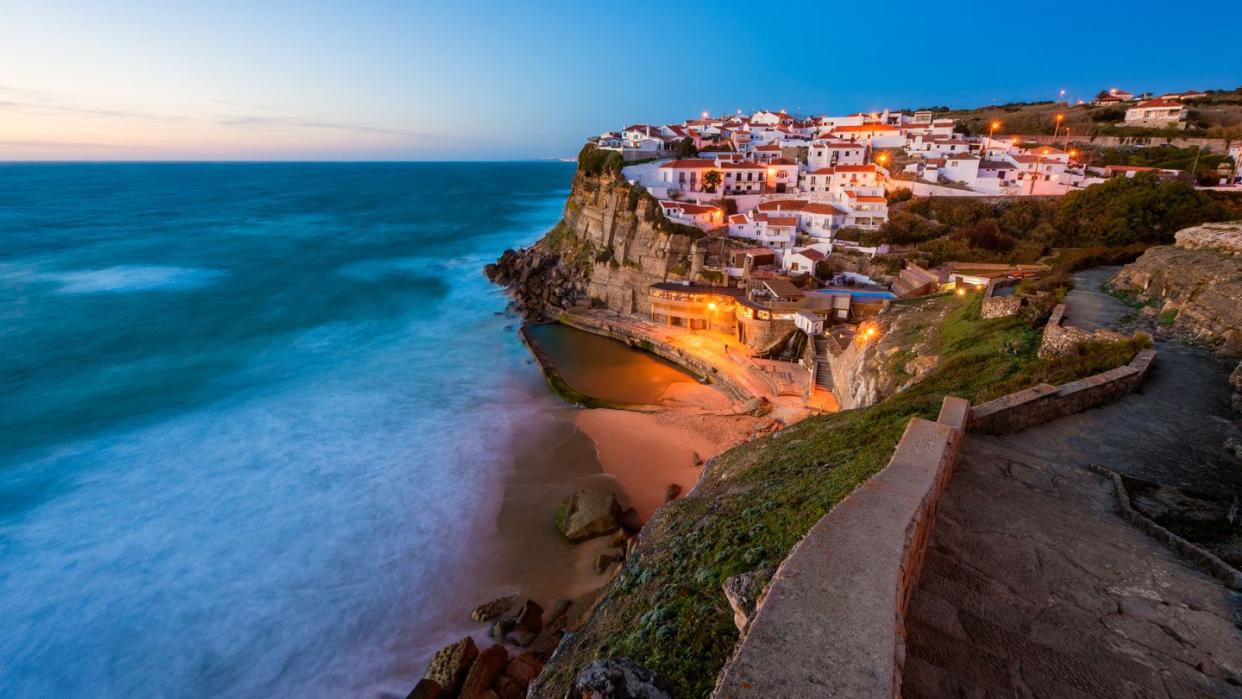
255, 420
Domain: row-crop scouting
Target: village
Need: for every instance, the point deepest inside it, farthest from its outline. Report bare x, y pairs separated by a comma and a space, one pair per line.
774, 196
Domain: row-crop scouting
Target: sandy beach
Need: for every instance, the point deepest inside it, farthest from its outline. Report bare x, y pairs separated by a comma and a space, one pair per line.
648, 451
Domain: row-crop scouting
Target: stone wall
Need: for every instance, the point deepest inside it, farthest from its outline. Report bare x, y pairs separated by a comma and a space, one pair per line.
594, 323
1037, 405
1059, 339
994, 306
835, 608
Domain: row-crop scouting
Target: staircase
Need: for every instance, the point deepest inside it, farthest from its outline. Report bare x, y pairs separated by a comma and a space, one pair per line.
823, 372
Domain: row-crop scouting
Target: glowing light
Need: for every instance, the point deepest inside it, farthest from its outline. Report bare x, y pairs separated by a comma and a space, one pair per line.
711, 305
1073, 154
1060, 117
978, 287
961, 291
995, 125
869, 333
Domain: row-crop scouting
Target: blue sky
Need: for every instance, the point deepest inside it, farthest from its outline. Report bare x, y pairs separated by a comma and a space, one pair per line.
382, 79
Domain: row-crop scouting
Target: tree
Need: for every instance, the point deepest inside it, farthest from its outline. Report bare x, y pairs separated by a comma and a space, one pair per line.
685, 148
712, 180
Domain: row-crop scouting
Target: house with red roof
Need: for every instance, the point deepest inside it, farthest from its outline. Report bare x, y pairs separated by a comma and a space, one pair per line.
700, 215
776, 231
1159, 112
823, 154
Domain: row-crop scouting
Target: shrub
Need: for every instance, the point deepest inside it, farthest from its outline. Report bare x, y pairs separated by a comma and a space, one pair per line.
1126, 210
596, 161
899, 195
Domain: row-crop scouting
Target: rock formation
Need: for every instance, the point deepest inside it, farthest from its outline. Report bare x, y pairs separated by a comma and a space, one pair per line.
586, 515
1196, 285
611, 245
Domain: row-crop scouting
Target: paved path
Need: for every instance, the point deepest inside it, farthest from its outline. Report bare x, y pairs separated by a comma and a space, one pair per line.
1034, 586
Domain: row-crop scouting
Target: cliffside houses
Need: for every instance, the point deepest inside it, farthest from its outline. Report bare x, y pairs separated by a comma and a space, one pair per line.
1159, 113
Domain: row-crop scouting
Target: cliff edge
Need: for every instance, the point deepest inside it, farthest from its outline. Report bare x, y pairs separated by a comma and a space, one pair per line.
612, 243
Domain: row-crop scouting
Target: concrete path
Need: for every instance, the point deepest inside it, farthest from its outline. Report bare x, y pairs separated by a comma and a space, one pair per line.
1034, 586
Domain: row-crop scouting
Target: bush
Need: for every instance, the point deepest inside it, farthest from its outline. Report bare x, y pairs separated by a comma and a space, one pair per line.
596, 161
899, 195
1108, 114
1127, 210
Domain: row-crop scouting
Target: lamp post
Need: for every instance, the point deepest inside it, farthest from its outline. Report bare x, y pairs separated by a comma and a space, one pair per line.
991, 132
1057, 130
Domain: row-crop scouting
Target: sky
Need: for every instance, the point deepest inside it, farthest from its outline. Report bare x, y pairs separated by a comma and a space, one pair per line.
473, 80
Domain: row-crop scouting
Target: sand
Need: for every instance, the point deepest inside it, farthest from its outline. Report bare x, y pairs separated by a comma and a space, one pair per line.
648, 451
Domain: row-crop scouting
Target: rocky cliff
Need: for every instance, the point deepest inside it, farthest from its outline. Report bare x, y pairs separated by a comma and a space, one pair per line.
612, 244
1193, 287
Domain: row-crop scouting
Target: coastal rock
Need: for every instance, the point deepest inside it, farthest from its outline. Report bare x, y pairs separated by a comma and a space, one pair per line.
529, 617
558, 611
522, 638
630, 521
451, 663
486, 667
619, 539
546, 642
506, 688
490, 610
1235, 379
743, 593
607, 558
617, 678
671, 492
1196, 283
499, 628
523, 670
586, 515
426, 689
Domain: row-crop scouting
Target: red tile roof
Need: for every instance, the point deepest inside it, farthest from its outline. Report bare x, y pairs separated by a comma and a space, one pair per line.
783, 205
688, 164
1146, 104
818, 208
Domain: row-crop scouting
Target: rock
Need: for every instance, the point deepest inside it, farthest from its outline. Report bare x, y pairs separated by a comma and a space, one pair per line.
506, 688
486, 667
921, 365
547, 641
451, 663
1235, 379
1234, 446
522, 637
742, 591
523, 670
586, 515
529, 617
619, 539
490, 610
426, 689
671, 492
698, 460
500, 628
602, 562
630, 521
558, 611
617, 678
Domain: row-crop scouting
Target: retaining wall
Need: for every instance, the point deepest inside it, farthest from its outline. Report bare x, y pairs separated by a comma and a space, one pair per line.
831, 623
1034, 406
618, 331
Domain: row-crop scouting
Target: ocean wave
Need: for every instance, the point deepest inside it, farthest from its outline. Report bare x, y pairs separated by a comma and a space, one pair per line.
130, 279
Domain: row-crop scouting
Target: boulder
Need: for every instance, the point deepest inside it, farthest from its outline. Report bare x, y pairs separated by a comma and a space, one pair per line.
490, 610
617, 678
743, 591
1235, 379
506, 688
523, 670
586, 515
546, 643
483, 672
451, 663
630, 521
426, 689
671, 492
522, 637
558, 611
602, 562
529, 617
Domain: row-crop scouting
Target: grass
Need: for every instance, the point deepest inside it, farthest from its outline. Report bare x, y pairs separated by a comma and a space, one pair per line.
1166, 319
666, 611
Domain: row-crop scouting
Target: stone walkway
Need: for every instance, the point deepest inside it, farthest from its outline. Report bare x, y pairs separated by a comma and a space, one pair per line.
1035, 586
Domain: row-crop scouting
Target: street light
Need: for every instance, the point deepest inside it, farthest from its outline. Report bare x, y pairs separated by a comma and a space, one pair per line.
991, 132
1057, 130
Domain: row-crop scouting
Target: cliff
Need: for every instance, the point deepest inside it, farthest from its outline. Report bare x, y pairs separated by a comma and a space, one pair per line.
611, 245
1194, 287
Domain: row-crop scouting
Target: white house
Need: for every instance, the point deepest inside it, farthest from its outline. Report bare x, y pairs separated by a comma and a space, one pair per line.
820, 220
686, 175
867, 211
782, 175
746, 177
1157, 113
701, 215
802, 261
770, 231
832, 153
873, 135
770, 118
961, 168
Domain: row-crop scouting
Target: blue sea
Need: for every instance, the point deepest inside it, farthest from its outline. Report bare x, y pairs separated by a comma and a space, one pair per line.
253, 418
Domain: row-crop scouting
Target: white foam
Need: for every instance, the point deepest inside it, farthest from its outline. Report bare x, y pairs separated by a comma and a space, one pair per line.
130, 279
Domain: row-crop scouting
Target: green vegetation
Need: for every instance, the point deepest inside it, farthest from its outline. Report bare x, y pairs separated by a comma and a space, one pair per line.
1205, 164
596, 161
685, 148
1119, 212
1166, 319
666, 611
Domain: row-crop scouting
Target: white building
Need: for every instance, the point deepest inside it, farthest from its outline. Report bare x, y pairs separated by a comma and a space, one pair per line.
821, 220
686, 175
770, 231
701, 215
745, 177
832, 153
1157, 113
